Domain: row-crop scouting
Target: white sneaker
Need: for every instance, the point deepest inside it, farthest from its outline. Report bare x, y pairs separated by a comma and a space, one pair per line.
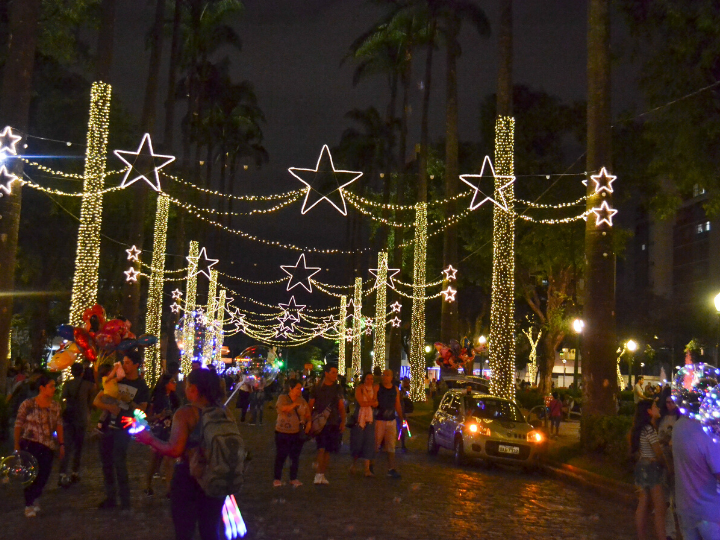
318, 479
323, 480
36, 507
30, 511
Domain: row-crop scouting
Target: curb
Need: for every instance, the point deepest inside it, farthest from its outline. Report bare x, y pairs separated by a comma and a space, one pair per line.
606, 486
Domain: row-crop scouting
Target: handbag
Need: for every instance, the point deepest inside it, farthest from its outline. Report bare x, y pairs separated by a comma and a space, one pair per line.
318, 421
352, 420
302, 434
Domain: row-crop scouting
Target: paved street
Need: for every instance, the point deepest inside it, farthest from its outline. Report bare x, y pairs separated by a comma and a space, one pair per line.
432, 500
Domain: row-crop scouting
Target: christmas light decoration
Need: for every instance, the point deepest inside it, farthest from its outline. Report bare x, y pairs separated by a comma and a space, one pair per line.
449, 294
450, 273
153, 318
177, 294
417, 320
6, 180
8, 142
502, 308
300, 275
143, 164
210, 314
604, 214
532, 365
378, 359
502, 184
219, 326
175, 308
396, 307
325, 181
87, 259
188, 331
133, 253
131, 275
577, 202
389, 274
202, 263
286, 195
290, 307
356, 328
603, 181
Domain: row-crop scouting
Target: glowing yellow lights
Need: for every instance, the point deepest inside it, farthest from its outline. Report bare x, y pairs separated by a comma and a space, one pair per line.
341, 330
143, 164
532, 365
133, 253
357, 328
131, 275
87, 259
153, 317
300, 275
190, 303
603, 181
502, 182
604, 214
450, 273
8, 142
417, 320
378, 359
6, 180
325, 181
502, 309
449, 294
219, 325
210, 315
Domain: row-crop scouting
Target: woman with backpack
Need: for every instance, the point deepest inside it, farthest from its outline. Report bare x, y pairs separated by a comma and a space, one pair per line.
191, 505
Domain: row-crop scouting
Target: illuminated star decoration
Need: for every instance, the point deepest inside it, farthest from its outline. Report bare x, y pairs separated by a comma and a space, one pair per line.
502, 202
202, 263
604, 214
8, 141
290, 307
282, 330
177, 294
133, 253
131, 274
240, 323
395, 321
391, 273
396, 307
449, 294
143, 164
603, 181
300, 275
368, 326
175, 308
325, 182
6, 180
450, 273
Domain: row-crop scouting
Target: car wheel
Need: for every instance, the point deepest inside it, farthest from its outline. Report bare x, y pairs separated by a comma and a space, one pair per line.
459, 452
432, 446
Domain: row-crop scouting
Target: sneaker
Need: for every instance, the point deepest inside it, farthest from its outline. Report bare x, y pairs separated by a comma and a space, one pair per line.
30, 512
148, 492
107, 504
36, 507
392, 473
323, 480
295, 483
318, 479
278, 483
64, 481
74, 478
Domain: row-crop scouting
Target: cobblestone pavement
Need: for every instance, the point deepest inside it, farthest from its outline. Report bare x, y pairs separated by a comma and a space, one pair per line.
433, 500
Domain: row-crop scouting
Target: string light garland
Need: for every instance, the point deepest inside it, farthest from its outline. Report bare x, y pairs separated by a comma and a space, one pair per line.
209, 343
357, 328
27, 181
143, 164
246, 198
532, 365
300, 275
502, 309
417, 320
253, 282
560, 221
531, 204
153, 317
219, 326
378, 359
67, 176
404, 207
279, 206
87, 258
190, 304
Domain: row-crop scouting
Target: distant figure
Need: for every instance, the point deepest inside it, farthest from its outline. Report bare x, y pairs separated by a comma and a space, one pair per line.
638, 393
77, 394
556, 412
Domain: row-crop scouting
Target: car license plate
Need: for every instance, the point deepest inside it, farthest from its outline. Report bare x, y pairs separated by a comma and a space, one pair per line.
504, 449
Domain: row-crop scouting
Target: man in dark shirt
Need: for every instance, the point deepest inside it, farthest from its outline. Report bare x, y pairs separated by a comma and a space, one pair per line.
389, 405
328, 395
134, 394
77, 395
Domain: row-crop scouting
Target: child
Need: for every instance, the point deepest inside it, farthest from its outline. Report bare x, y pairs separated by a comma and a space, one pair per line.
556, 411
110, 375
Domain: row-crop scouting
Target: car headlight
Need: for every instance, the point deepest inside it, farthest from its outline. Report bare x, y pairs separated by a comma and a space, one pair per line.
480, 429
535, 436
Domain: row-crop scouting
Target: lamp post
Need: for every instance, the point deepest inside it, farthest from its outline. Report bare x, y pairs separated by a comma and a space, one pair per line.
564, 372
717, 310
632, 347
642, 368
578, 326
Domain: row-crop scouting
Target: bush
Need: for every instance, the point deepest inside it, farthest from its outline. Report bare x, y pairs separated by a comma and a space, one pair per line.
608, 435
527, 399
627, 408
627, 395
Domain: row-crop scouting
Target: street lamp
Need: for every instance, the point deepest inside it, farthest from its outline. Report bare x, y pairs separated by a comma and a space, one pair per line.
632, 347
428, 348
578, 326
482, 340
642, 368
564, 372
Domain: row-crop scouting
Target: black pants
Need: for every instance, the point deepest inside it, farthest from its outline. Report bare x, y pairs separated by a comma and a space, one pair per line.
44, 456
190, 507
287, 445
113, 454
243, 403
74, 438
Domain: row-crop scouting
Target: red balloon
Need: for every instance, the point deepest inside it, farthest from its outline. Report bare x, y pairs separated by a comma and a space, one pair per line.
85, 343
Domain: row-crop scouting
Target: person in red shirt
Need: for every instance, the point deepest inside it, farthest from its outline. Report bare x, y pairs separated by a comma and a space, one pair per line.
556, 412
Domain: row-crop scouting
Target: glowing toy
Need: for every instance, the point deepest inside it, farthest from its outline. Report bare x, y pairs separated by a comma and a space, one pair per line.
404, 426
133, 253
136, 423
325, 181
709, 413
604, 214
603, 181
20, 467
300, 275
6, 180
145, 164
8, 141
131, 275
232, 519
502, 203
450, 273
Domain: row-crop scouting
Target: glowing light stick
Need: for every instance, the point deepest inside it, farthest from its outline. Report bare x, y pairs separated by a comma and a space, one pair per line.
232, 519
136, 423
405, 426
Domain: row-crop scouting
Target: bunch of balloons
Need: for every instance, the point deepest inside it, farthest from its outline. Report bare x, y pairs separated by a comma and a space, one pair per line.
95, 338
453, 356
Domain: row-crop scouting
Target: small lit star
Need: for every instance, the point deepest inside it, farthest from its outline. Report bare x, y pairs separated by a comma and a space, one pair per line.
202, 263
450, 273
604, 214
8, 141
175, 308
133, 253
292, 306
396, 321
143, 164
501, 202
131, 275
396, 307
177, 294
603, 181
449, 294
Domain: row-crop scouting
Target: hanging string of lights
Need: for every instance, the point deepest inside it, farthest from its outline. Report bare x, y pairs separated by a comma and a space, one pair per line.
273, 197
213, 211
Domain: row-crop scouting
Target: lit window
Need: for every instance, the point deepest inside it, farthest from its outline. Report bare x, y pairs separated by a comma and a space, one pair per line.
700, 228
643, 247
707, 225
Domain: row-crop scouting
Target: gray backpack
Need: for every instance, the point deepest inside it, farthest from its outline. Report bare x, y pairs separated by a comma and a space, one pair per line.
219, 463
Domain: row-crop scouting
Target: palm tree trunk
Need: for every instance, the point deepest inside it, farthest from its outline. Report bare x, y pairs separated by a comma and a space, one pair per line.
423, 174
175, 49
599, 339
105, 44
449, 314
15, 95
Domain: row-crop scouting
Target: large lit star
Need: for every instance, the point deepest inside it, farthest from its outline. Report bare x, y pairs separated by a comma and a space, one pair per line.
6, 180
603, 181
325, 182
449, 294
133, 253
604, 214
300, 275
131, 275
202, 263
450, 273
292, 306
391, 273
143, 164
8, 141
502, 202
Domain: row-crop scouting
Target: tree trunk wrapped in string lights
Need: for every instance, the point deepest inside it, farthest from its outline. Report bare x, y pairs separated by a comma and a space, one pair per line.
190, 299
342, 331
417, 322
380, 308
219, 325
153, 317
87, 258
502, 309
210, 318
357, 328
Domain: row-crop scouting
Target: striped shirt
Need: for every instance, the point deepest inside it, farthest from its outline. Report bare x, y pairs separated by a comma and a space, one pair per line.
38, 423
648, 437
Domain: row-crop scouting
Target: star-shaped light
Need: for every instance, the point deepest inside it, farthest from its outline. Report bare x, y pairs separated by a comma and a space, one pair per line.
175, 308
290, 307
396, 307
177, 294
8, 141
391, 273
502, 202
6, 180
604, 214
395, 321
449, 294
143, 164
450, 273
300, 275
131, 275
133, 253
282, 330
202, 263
240, 323
603, 181
325, 182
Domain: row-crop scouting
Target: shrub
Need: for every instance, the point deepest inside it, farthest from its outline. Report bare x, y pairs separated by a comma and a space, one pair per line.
527, 399
608, 435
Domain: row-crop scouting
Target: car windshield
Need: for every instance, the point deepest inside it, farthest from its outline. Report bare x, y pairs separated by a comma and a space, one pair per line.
495, 409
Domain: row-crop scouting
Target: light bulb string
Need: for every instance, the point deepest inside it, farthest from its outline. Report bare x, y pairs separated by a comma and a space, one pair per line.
248, 198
